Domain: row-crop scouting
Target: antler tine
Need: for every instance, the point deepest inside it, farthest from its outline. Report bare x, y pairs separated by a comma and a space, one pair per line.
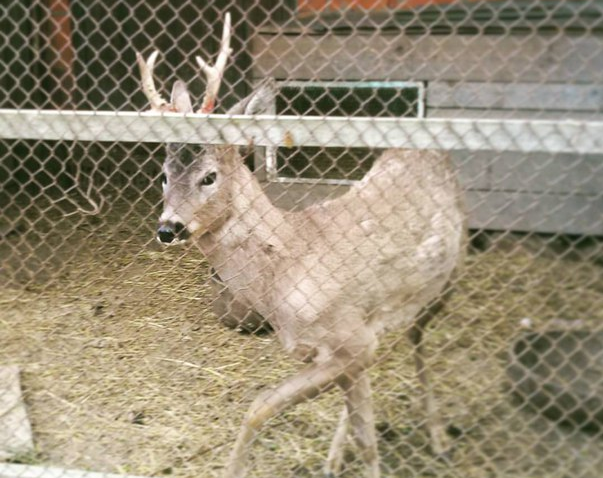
148, 84
214, 73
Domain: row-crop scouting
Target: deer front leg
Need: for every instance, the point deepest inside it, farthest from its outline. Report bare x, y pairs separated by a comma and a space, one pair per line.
335, 458
306, 385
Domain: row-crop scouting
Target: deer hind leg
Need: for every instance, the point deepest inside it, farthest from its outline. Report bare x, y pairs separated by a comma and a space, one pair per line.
359, 405
308, 384
440, 445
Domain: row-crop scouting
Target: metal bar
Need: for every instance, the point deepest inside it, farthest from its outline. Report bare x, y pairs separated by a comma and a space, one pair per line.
349, 84
31, 471
333, 182
556, 136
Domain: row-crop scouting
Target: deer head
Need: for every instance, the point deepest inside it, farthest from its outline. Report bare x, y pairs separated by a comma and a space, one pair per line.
197, 185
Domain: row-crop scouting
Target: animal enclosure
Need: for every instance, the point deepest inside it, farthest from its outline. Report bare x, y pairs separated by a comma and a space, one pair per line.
127, 356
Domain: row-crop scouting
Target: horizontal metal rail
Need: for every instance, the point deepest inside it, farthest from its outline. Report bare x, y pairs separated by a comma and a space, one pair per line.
523, 135
31, 471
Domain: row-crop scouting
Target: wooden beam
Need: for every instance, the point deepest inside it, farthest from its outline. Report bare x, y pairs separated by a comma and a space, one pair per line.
488, 58
541, 173
515, 96
458, 113
544, 173
537, 212
496, 210
448, 134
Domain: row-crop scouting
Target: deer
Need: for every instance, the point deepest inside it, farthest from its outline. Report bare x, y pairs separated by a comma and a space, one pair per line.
330, 279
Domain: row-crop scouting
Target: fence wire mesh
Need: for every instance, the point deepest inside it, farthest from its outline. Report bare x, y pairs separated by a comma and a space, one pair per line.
118, 355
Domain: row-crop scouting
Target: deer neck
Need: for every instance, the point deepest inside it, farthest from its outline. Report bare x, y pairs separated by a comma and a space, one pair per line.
254, 237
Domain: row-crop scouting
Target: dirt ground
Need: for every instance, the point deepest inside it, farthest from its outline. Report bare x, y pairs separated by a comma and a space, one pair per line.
126, 369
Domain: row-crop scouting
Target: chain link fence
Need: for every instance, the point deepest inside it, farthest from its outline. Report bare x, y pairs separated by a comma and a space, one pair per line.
121, 356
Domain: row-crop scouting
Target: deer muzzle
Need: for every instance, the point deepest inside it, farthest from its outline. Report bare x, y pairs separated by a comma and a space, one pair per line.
172, 233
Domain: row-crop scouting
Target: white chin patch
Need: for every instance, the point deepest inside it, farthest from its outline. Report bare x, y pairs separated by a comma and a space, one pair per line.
175, 242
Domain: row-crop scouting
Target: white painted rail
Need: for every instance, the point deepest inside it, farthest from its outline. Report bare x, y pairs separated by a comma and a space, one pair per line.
523, 135
31, 471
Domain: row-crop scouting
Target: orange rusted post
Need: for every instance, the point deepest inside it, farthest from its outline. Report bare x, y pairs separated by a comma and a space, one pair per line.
60, 53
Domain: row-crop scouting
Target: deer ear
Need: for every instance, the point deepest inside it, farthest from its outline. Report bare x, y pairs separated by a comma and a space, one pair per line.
260, 101
181, 99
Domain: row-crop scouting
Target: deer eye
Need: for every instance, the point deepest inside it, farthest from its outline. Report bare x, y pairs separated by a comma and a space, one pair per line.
163, 179
208, 179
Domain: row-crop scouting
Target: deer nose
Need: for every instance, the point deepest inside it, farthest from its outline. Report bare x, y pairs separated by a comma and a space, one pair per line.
169, 232
165, 234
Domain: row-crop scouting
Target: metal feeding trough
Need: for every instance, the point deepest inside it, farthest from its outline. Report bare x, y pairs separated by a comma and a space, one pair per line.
232, 312
560, 374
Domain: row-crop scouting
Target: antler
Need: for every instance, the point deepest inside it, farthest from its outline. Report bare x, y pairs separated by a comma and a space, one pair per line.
148, 85
214, 73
